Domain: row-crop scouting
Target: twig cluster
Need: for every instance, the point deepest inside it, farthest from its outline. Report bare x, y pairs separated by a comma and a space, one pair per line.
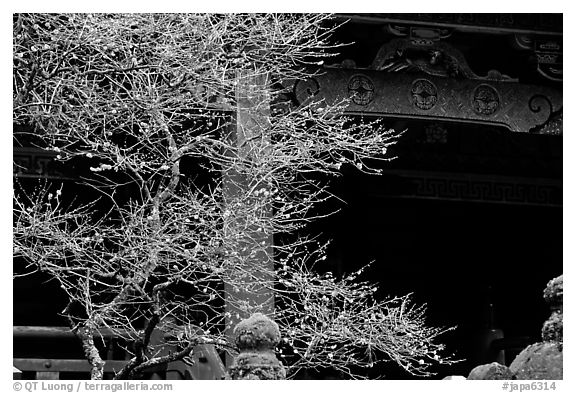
137, 94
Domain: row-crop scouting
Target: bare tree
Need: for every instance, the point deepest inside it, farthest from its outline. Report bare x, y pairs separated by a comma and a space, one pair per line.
135, 95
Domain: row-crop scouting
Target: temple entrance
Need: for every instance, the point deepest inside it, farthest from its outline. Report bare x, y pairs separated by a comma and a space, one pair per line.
458, 258
475, 235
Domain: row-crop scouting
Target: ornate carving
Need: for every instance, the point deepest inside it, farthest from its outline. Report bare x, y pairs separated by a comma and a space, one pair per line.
485, 190
485, 100
549, 58
541, 105
429, 56
508, 106
536, 101
548, 53
554, 124
523, 41
361, 90
424, 94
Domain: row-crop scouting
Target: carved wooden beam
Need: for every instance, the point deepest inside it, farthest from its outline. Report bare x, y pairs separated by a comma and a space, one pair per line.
518, 107
433, 57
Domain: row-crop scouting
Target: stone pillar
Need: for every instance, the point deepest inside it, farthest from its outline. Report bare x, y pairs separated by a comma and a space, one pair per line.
256, 338
252, 265
542, 360
553, 328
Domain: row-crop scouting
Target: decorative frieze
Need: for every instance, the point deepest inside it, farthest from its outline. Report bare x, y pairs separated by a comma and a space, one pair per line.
494, 189
518, 107
432, 57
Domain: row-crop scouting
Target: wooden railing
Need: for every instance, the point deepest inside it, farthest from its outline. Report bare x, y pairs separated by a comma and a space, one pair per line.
51, 368
205, 361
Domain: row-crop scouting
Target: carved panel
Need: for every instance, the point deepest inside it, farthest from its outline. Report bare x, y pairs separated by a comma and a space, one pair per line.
515, 106
485, 100
486, 191
451, 186
549, 58
554, 126
424, 94
435, 58
361, 90
548, 54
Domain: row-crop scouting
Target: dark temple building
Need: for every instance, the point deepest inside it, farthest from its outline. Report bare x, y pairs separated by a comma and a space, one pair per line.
468, 216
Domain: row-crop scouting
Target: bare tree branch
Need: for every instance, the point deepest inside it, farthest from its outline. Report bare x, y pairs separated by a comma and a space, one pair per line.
142, 97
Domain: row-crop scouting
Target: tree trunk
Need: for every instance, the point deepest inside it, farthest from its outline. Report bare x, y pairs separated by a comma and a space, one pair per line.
86, 335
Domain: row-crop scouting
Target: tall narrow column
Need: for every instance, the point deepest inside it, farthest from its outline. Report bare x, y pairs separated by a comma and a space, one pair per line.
251, 265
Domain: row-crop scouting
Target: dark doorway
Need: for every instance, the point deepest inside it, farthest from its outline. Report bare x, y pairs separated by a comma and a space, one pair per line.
472, 227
